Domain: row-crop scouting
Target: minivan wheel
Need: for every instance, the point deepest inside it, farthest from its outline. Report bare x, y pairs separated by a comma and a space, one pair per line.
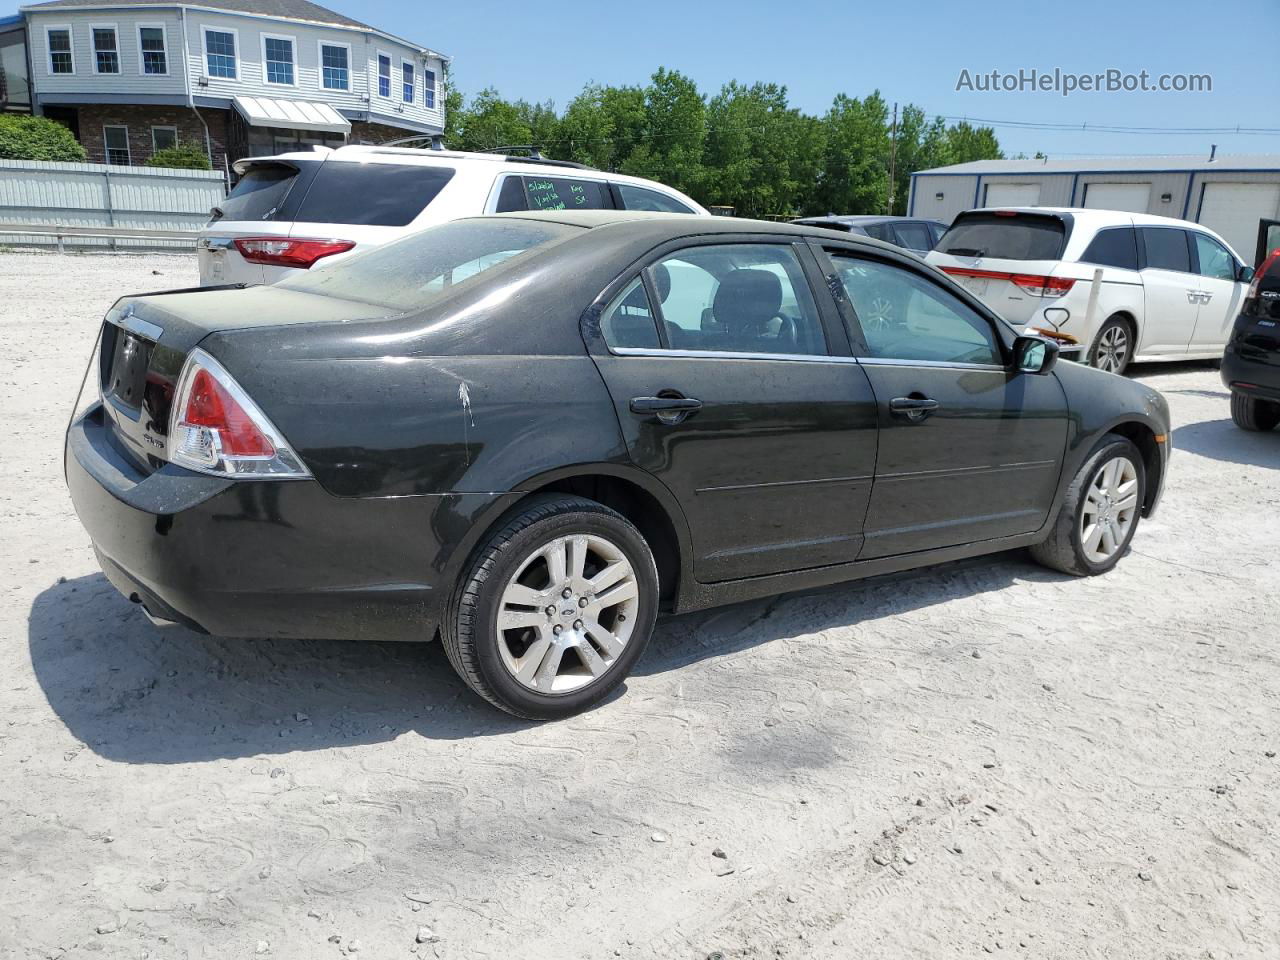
1253, 413
554, 610
1112, 347
1100, 513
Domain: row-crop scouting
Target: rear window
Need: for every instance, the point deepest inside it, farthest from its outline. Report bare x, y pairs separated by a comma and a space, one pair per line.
425, 266
371, 194
258, 194
1113, 247
1017, 237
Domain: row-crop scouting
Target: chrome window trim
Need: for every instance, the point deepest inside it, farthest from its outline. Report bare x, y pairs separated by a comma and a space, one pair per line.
136, 325
951, 364
800, 357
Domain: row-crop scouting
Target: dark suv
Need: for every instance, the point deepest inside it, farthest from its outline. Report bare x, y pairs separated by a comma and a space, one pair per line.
1251, 362
910, 233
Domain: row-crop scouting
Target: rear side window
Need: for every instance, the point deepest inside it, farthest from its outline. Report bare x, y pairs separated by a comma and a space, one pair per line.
371, 194
1113, 247
640, 198
259, 193
629, 320
1166, 249
427, 265
554, 193
914, 236
1017, 237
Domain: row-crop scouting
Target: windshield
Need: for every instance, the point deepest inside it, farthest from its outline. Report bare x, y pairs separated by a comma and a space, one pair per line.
422, 267
1018, 236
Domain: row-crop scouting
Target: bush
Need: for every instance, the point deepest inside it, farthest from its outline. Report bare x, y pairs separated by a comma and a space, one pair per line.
189, 156
37, 138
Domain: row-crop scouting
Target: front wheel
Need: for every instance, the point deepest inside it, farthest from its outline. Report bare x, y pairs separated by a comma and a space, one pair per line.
555, 609
1099, 514
1252, 413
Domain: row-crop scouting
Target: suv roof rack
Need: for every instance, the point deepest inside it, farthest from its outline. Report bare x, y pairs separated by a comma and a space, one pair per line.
435, 142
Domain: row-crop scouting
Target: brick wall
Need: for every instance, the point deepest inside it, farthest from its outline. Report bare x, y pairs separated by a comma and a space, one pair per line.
140, 119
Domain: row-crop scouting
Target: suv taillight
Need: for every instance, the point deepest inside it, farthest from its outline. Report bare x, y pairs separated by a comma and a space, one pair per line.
215, 428
298, 252
1039, 286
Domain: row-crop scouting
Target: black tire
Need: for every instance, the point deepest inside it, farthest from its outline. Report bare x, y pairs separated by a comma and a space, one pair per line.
1253, 413
1063, 549
1102, 347
469, 630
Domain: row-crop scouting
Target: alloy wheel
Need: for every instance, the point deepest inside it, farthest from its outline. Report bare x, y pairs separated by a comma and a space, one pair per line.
567, 614
1113, 349
1109, 510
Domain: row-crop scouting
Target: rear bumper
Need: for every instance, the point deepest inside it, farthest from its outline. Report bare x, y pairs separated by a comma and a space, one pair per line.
266, 558
1251, 370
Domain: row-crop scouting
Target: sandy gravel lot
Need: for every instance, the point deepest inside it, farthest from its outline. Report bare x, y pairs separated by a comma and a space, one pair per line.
984, 758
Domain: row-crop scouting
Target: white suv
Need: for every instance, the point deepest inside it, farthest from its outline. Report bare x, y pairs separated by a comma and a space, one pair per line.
294, 210
1115, 286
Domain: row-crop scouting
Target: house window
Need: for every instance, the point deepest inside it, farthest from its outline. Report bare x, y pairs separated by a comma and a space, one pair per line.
155, 58
106, 52
384, 75
162, 138
335, 71
429, 88
117, 144
407, 92
61, 60
220, 53
277, 55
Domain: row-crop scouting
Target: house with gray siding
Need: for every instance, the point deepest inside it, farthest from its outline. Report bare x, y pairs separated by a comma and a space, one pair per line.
1229, 194
240, 77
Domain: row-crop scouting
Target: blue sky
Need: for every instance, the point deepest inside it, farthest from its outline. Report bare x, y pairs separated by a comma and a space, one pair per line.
912, 52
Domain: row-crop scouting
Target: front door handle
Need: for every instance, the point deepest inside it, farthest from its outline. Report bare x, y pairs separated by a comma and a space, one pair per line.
914, 408
668, 410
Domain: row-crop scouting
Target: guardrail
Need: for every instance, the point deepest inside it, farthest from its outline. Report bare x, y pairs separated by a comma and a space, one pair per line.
94, 233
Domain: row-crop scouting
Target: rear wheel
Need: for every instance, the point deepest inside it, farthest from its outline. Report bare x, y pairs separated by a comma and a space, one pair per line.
1100, 513
1252, 413
555, 610
1112, 347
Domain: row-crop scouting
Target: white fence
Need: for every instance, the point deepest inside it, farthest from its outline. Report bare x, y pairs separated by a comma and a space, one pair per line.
106, 195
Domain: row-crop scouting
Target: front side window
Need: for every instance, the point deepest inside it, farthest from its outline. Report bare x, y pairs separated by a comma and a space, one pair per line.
155, 56
406, 76
277, 56
629, 322
739, 298
106, 52
1215, 261
1166, 249
61, 59
1113, 247
905, 317
220, 53
162, 138
335, 68
116, 140
384, 75
640, 198
429, 89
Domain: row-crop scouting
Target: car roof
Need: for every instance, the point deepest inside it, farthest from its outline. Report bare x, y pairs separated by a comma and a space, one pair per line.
1093, 217
862, 219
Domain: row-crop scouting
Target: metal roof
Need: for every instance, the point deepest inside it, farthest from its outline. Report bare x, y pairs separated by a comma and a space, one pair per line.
1264, 162
291, 114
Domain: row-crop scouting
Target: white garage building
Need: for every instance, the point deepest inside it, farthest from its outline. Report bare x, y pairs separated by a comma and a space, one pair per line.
1229, 194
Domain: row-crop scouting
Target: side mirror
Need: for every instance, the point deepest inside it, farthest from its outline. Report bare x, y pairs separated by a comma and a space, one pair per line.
1034, 355
1245, 274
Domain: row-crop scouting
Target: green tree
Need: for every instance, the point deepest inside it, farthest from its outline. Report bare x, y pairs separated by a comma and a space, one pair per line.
670, 148
189, 156
967, 142
37, 138
855, 175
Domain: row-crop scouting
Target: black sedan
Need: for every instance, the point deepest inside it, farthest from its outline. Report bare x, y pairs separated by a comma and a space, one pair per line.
531, 434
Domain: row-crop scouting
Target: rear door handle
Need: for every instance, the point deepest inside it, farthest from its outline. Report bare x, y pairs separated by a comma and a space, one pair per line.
668, 410
915, 407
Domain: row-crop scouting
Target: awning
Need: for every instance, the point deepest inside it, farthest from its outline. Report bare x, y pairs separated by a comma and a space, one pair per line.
291, 114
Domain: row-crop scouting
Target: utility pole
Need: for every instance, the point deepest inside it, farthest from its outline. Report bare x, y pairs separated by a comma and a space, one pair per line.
893, 158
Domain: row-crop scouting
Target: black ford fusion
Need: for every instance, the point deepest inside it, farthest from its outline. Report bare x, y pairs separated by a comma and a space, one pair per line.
533, 434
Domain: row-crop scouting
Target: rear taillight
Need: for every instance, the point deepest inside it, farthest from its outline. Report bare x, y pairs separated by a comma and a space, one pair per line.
215, 428
289, 251
1039, 286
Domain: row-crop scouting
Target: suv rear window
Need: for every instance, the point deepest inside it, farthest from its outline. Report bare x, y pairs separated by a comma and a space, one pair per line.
1018, 237
259, 193
371, 194
417, 269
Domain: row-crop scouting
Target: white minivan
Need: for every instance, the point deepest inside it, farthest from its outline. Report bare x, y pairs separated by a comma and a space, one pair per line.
1114, 287
293, 211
